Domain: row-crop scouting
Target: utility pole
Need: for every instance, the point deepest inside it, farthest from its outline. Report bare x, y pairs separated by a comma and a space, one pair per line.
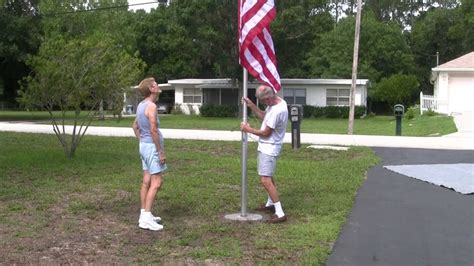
437, 58
350, 128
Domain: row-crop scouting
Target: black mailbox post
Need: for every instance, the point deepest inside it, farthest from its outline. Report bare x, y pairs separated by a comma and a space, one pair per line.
398, 111
296, 114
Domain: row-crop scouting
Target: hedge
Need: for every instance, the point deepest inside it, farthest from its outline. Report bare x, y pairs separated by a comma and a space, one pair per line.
310, 111
212, 110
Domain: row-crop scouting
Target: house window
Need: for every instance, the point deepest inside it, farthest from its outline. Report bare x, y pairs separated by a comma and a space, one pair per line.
337, 97
294, 96
192, 95
220, 96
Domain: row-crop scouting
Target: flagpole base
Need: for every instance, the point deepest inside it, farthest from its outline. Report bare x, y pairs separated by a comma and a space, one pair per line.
250, 217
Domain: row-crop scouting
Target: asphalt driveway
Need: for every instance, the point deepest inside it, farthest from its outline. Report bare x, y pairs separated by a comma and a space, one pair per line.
399, 220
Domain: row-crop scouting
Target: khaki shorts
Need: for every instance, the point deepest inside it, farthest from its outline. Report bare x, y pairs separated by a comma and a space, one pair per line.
266, 164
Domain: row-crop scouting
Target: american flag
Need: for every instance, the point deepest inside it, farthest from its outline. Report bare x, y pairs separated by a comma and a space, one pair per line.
257, 54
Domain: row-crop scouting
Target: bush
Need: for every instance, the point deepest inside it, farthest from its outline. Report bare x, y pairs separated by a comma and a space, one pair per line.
307, 110
176, 110
337, 112
319, 111
410, 113
211, 110
310, 111
398, 88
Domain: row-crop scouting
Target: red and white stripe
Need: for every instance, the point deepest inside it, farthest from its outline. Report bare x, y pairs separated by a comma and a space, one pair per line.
257, 54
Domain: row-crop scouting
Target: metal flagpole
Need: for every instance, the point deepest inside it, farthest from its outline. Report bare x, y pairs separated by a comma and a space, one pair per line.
244, 215
243, 193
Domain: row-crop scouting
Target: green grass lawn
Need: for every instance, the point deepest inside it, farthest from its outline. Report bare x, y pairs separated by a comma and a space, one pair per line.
85, 210
378, 125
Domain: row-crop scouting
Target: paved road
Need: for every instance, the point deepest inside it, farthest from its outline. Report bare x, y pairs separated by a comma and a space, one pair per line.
398, 220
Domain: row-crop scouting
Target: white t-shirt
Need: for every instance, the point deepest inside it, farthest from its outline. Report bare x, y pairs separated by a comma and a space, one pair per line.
276, 118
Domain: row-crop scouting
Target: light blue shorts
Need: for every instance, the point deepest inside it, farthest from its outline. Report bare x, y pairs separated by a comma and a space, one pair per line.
150, 159
266, 164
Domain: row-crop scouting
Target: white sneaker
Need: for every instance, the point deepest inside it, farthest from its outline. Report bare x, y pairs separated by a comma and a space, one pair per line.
155, 218
147, 222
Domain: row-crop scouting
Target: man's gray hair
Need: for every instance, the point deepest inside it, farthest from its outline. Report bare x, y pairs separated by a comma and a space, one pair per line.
264, 92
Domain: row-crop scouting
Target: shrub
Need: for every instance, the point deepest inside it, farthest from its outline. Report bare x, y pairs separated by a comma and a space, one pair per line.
410, 113
307, 110
332, 111
398, 88
211, 110
371, 114
360, 111
176, 110
319, 111
337, 112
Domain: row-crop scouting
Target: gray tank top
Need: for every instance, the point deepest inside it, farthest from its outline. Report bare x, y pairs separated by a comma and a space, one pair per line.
144, 124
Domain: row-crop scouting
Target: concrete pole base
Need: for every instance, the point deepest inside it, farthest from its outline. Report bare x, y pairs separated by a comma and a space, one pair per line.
250, 217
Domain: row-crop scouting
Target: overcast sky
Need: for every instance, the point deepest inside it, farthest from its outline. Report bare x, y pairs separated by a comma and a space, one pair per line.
146, 7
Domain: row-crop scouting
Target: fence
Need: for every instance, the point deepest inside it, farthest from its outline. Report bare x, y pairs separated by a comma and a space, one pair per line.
428, 102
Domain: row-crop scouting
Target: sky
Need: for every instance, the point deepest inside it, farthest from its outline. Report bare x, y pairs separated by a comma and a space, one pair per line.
150, 4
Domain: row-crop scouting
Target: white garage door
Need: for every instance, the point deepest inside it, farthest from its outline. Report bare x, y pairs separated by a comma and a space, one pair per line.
461, 94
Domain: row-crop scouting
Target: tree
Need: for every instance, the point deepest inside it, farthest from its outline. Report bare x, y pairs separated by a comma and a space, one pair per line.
190, 39
82, 63
19, 36
447, 31
76, 75
383, 51
296, 28
398, 88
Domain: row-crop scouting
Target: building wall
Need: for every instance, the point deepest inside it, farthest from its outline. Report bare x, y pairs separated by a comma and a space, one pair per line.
441, 92
316, 94
186, 108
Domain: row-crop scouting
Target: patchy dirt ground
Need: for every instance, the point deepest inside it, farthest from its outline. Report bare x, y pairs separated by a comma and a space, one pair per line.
103, 237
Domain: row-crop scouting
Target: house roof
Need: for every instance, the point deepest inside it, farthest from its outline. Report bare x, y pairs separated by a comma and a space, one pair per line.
165, 86
227, 83
198, 81
324, 81
464, 63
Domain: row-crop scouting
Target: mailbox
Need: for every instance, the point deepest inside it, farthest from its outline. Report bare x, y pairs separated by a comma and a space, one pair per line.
296, 115
398, 111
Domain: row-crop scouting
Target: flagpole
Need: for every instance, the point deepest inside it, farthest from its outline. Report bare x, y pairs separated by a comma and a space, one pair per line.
243, 196
244, 215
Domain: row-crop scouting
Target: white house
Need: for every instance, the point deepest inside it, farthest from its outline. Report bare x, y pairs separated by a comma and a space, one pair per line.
453, 87
190, 94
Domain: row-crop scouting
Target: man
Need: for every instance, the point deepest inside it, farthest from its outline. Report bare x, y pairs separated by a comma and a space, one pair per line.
271, 134
146, 128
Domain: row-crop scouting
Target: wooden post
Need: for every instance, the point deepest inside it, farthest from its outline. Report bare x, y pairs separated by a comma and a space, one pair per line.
350, 128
